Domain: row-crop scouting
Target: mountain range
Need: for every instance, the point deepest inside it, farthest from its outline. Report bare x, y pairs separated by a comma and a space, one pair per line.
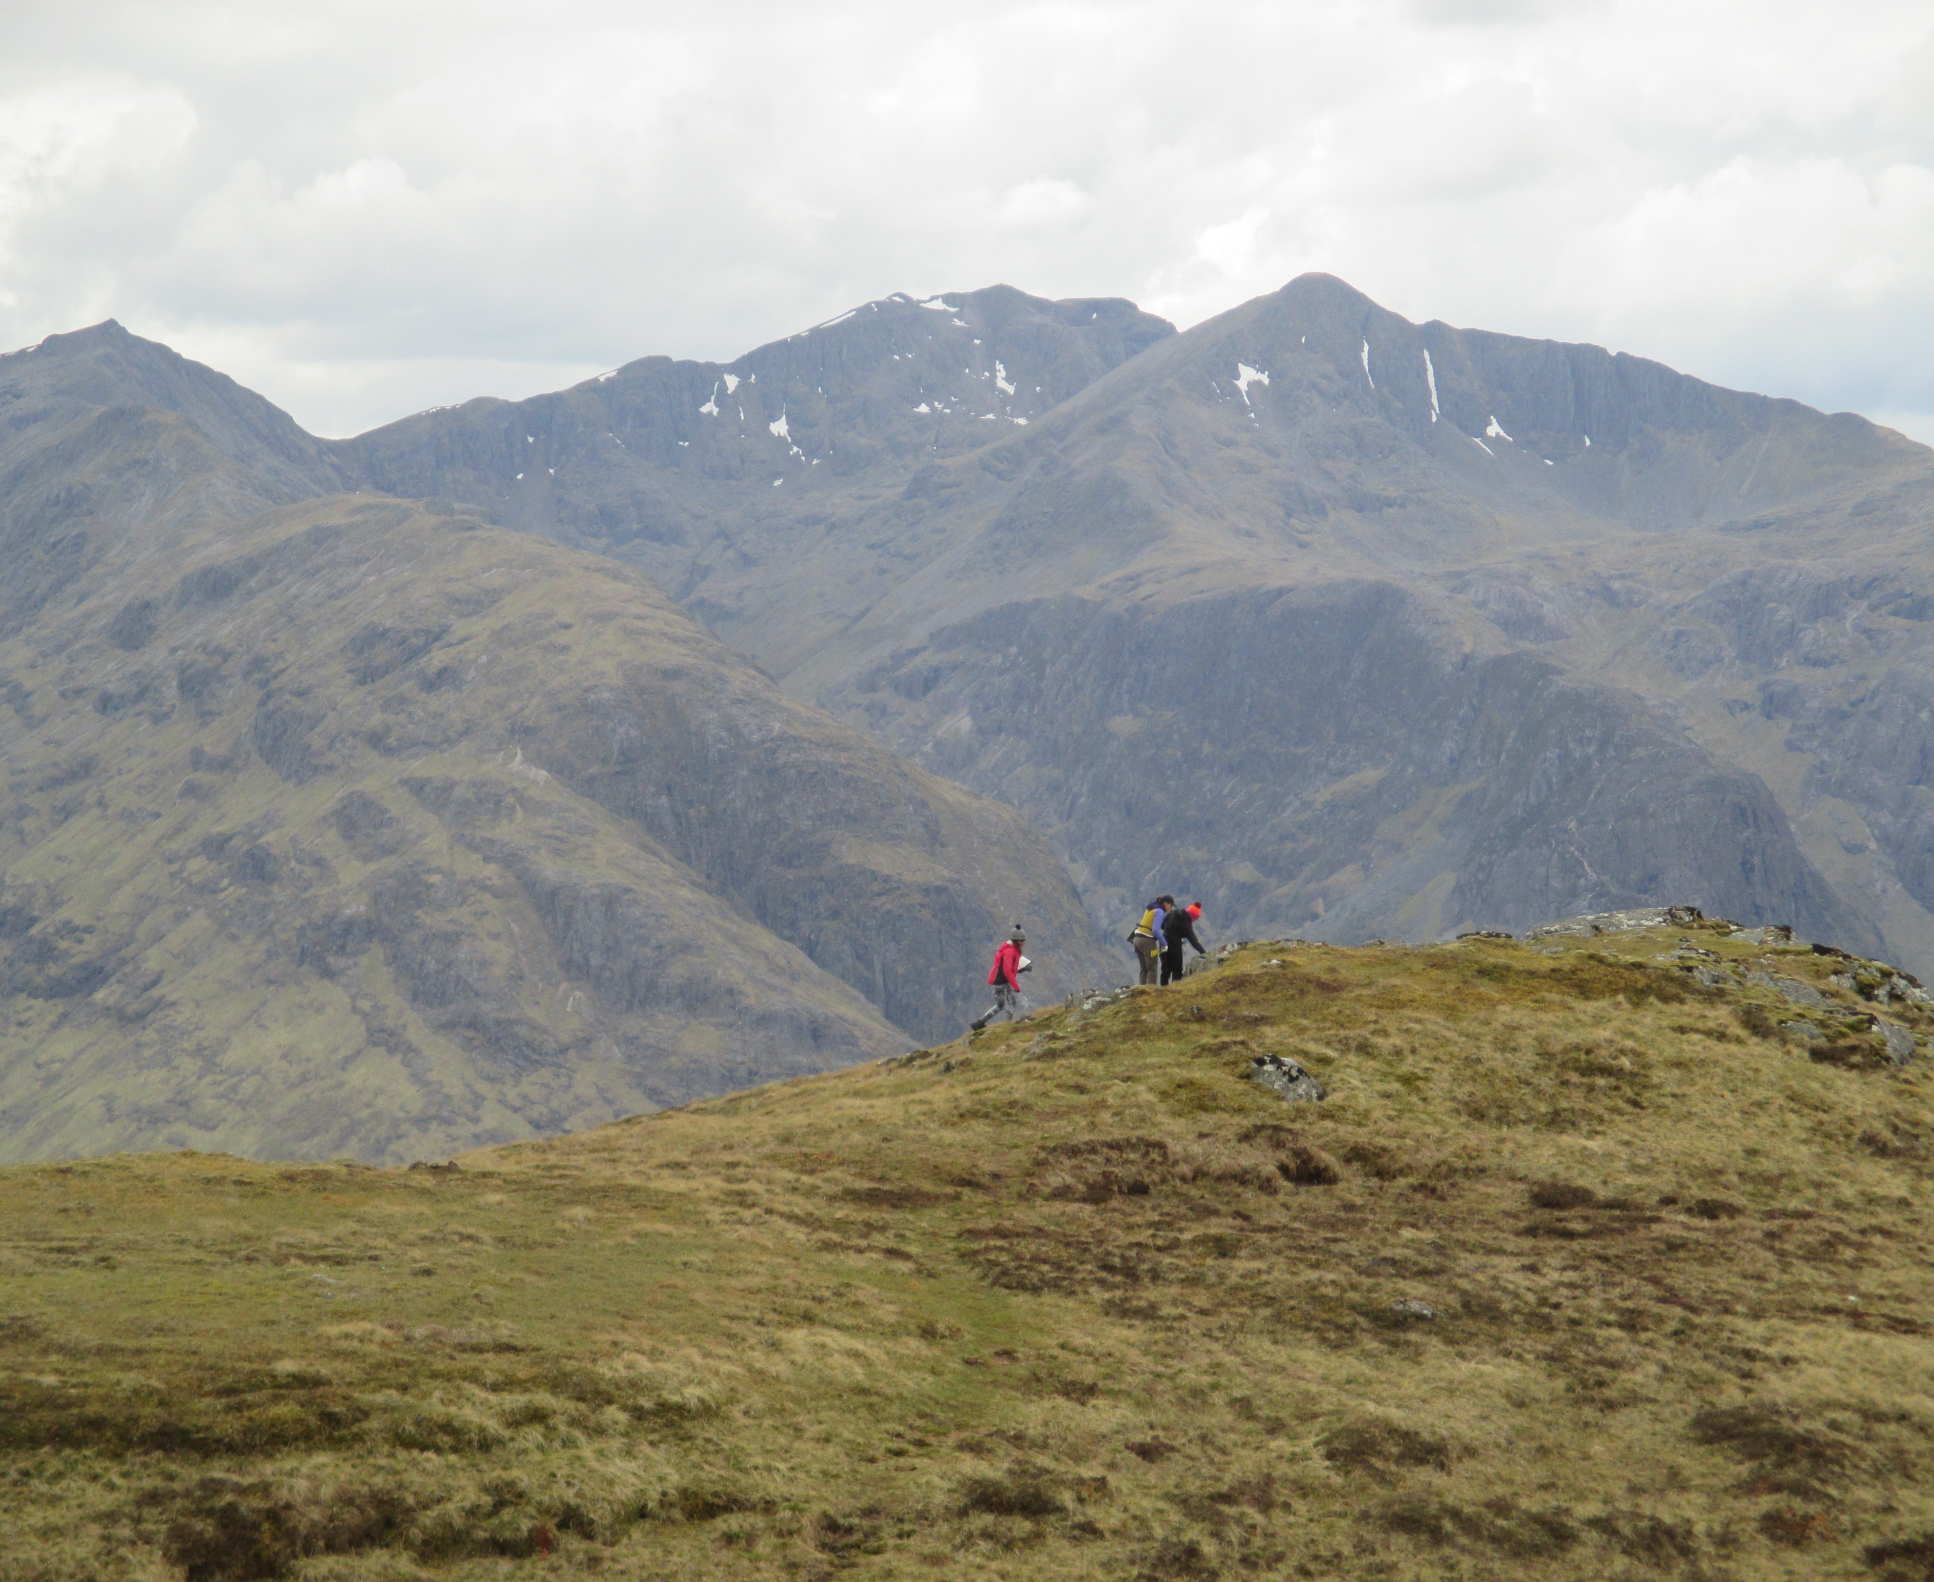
1395, 629
339, 824
521, 763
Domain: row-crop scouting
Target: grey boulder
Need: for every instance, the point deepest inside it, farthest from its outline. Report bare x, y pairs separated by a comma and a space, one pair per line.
1286, 1077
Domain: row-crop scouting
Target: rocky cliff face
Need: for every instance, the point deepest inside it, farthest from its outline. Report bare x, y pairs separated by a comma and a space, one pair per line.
353, 826
1711, 699
1334, 760
1365, 627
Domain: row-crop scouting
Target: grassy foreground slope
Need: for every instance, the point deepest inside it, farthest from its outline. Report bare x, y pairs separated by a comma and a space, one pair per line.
1074, 1301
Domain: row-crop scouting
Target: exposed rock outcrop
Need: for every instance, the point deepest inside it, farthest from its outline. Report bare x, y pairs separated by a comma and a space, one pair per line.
1284, 1076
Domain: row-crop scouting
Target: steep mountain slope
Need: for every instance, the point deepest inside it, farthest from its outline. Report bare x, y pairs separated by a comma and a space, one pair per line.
1427, 546
109, 443
1629, 513
1336, 756
1599, 1260
357, 827
1360, 626
105, 367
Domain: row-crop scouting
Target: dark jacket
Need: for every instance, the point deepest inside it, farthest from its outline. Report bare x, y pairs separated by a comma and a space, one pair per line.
1178, 927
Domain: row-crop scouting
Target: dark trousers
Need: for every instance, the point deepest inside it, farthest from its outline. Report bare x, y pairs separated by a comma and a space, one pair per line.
1146, 954
1172, 963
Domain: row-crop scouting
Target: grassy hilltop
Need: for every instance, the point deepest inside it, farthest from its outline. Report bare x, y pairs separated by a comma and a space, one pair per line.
1588, 1267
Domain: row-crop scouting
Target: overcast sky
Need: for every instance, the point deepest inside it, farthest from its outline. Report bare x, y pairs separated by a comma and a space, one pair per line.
362, 209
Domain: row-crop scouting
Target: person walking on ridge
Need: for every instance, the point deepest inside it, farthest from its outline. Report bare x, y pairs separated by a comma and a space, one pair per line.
1178, 929
1005, 975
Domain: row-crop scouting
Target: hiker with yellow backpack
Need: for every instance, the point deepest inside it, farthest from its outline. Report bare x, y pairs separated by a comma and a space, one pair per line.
1147, 937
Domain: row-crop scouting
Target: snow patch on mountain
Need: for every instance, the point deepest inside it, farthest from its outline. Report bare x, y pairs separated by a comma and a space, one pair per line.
780, 428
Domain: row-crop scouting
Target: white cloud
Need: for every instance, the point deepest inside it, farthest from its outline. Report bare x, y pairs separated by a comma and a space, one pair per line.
79, 141
1043, 203
360, 205
1230, 248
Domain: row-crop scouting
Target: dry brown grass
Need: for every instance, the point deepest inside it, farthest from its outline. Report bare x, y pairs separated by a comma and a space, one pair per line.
1080, 1302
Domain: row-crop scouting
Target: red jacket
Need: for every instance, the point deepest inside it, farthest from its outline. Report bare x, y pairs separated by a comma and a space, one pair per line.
1007, 965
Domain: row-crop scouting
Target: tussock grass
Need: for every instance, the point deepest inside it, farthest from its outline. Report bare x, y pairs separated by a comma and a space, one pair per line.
1073, 1301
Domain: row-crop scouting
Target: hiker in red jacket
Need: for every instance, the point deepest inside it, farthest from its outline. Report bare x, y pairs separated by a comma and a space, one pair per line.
1005, 975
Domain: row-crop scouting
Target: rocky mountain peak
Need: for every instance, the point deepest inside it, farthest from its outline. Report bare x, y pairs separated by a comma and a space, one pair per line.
1317, 292
883, 388
107, 367
1364, 413
111, 444
68, 341
107, 363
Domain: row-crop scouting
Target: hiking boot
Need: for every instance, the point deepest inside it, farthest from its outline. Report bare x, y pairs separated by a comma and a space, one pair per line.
978, 1027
